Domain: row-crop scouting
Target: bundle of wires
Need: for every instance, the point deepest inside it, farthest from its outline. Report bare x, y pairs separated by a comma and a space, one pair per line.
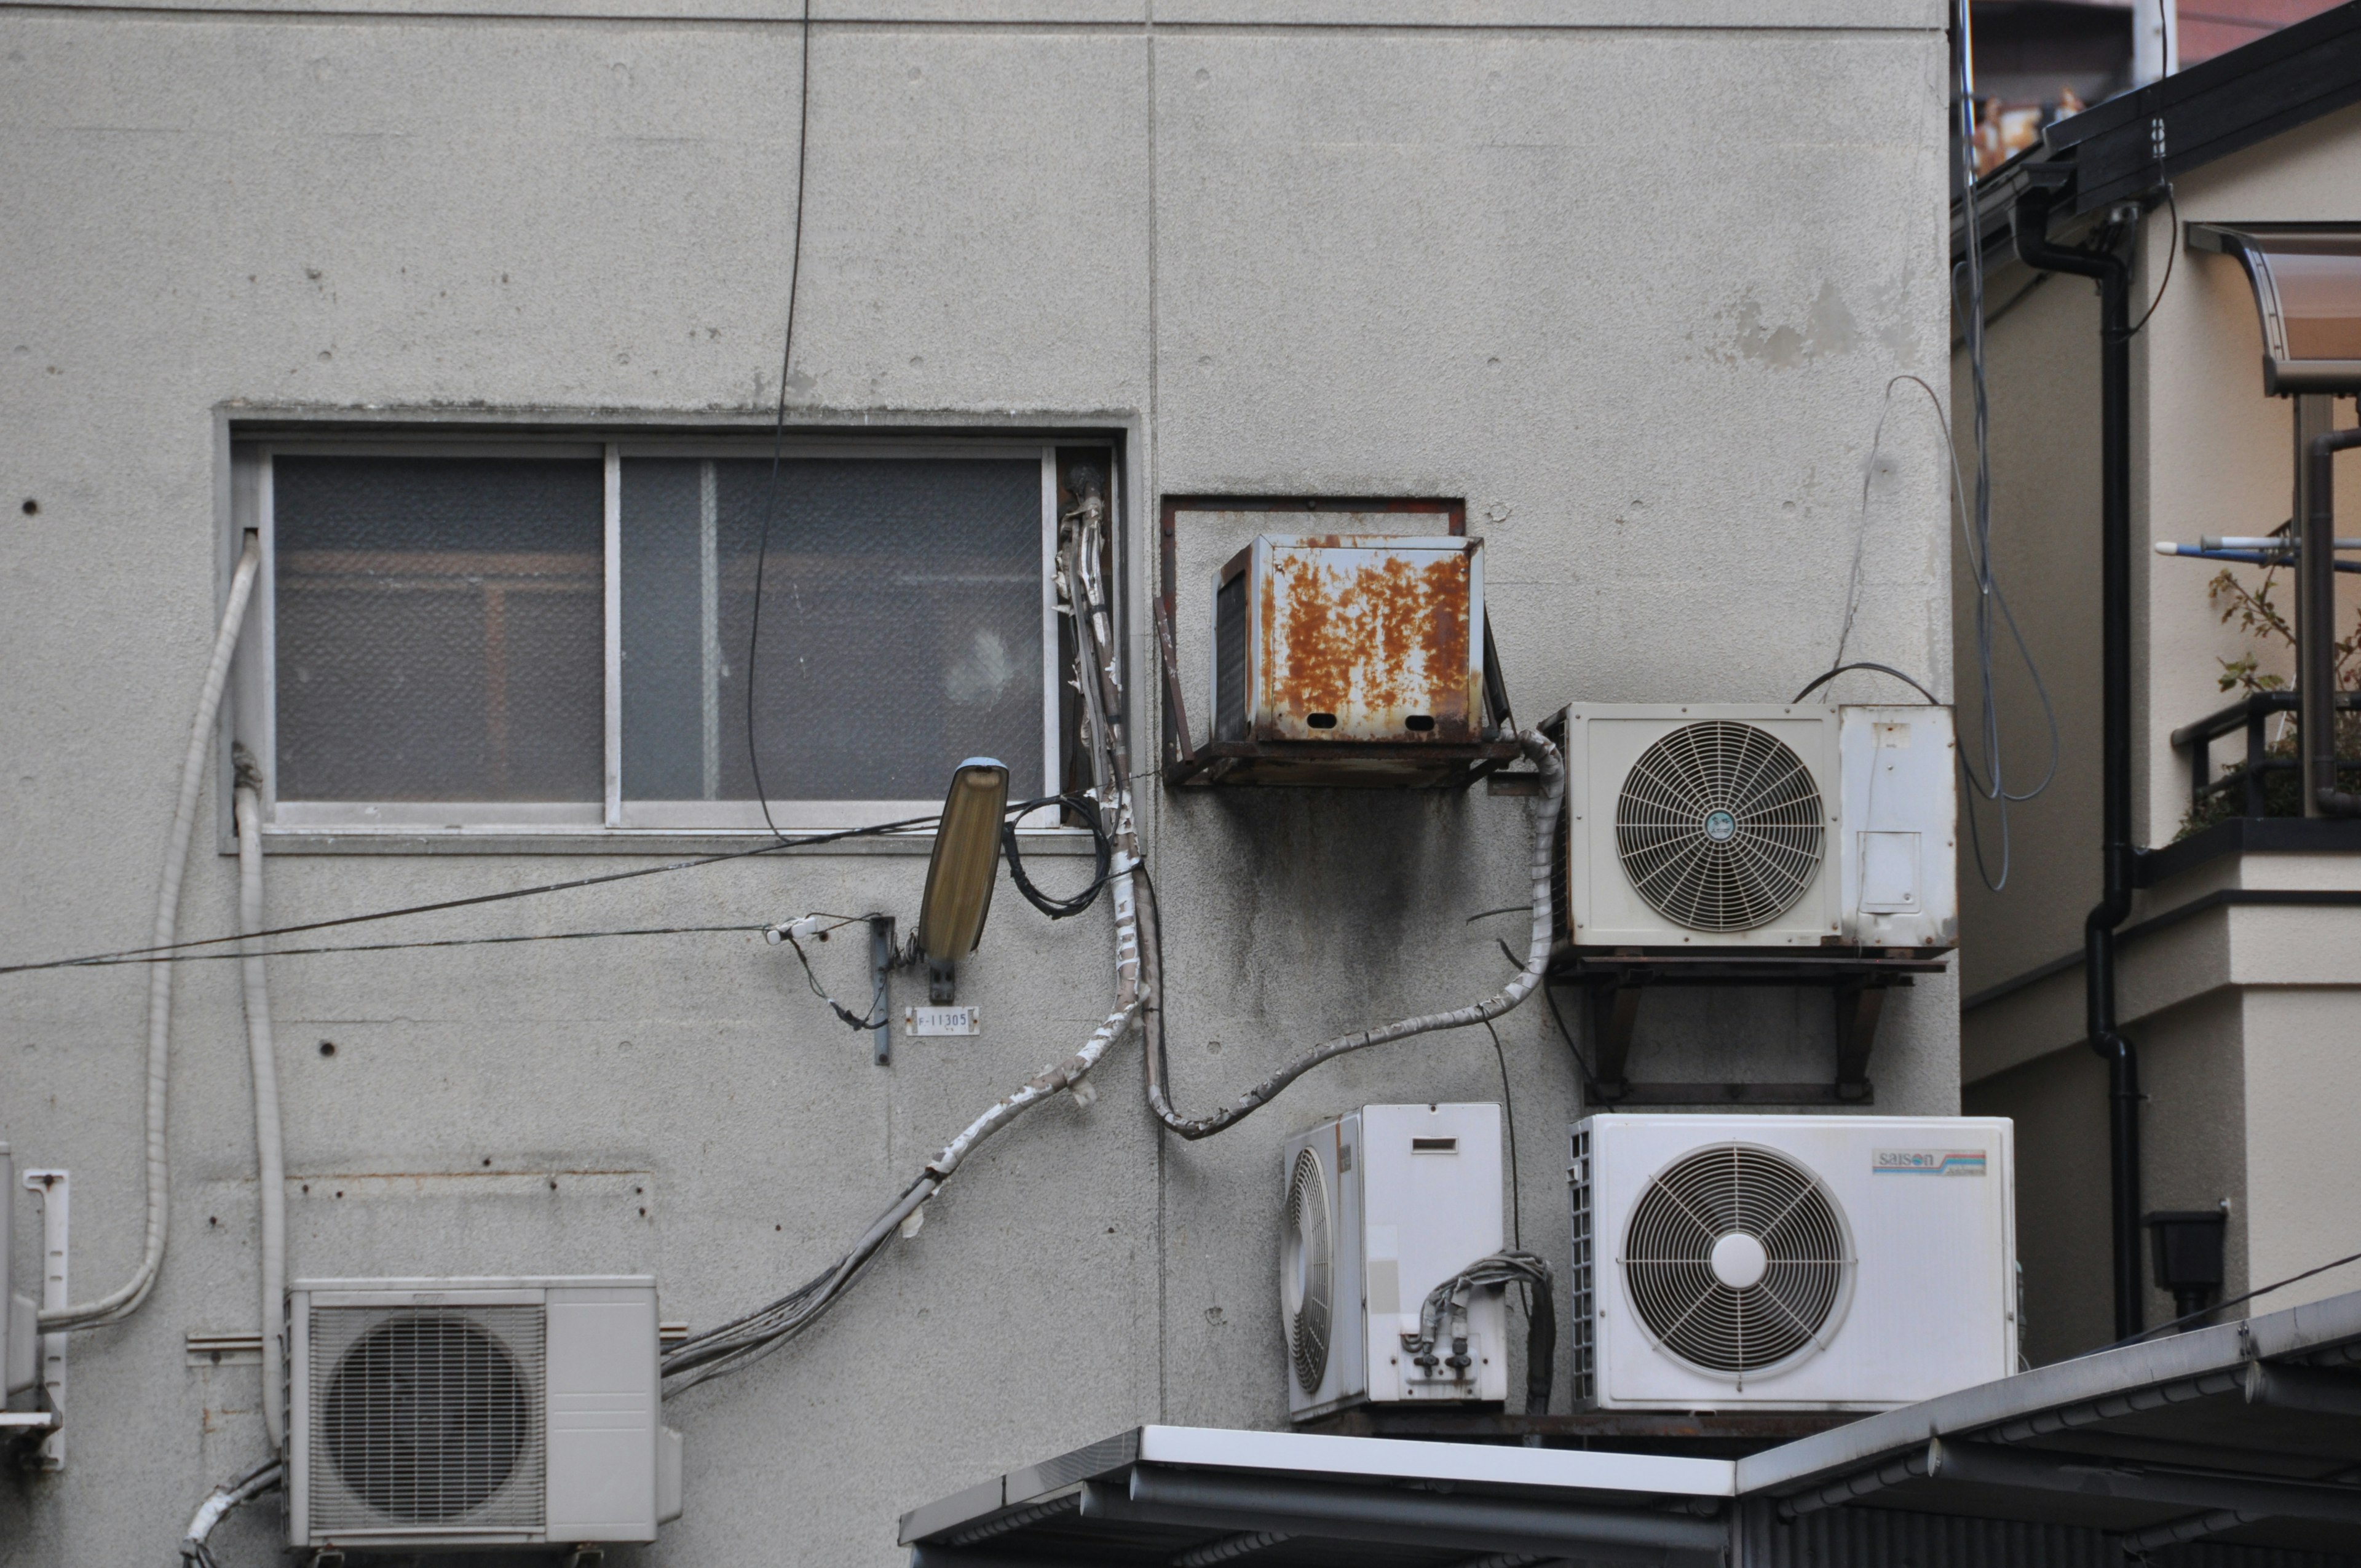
1444, 1315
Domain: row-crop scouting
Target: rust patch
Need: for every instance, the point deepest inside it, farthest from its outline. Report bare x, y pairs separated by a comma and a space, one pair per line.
1371, 637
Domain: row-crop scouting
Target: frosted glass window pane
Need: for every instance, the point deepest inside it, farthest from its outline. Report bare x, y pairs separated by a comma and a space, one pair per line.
901, 627
439, 622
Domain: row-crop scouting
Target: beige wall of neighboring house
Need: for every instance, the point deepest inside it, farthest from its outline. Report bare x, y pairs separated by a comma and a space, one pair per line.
2245, 1016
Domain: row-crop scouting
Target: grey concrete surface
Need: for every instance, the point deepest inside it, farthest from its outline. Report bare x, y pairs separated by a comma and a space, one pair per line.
1635, 292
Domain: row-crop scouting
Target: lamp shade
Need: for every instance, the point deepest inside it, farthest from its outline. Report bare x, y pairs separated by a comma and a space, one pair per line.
965, 863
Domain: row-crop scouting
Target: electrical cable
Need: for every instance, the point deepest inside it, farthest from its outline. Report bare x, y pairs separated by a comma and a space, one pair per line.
1508, 1119
858, 1023
2171, 255
1543, 817
404, 947
1989, 596
1866, 665
2233, 1301
1589, 1077
779, 422
905, 825
1444, 1311
122, 1301
1059, 908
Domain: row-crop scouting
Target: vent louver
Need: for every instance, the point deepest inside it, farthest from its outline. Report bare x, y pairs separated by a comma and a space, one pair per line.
1719, 826
1308, 1275
1736, 1258
427, 1418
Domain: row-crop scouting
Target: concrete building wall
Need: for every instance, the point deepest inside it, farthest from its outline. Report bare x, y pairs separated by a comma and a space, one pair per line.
1629, 279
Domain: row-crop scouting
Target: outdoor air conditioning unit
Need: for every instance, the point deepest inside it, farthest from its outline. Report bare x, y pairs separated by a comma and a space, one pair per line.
1757, 827
1380, 1207
429, 1414
1792, 1262
1351, 639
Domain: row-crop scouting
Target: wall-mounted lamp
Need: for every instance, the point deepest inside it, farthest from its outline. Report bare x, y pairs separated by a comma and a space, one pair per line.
959, 874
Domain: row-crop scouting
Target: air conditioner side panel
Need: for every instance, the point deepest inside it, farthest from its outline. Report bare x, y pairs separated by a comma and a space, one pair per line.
1430, 1215
1602, 744
299, 1417
602, 1402
1901, 826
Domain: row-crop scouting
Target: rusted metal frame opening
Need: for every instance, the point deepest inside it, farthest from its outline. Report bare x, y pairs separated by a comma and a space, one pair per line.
1185, 762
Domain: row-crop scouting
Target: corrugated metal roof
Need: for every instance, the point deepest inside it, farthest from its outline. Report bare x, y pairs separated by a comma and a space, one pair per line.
2235, 1446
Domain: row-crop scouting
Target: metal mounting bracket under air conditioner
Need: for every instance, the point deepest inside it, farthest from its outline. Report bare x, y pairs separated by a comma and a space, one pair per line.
1614, 983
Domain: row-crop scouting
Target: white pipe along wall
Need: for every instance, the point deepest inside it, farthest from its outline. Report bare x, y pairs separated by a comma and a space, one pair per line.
1271, 259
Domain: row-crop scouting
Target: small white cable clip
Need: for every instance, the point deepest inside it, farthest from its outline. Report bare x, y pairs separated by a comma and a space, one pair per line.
801, 928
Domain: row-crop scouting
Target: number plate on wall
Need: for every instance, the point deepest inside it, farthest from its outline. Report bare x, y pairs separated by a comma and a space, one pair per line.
942, 1020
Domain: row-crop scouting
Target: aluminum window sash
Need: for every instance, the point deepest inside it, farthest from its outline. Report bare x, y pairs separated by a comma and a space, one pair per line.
439, 815
884, 449
264, 619
746, 816
440, 446
1052, 774
612, 813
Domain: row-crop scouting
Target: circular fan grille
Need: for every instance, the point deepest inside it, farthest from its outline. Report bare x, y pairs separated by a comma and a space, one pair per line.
1735, 1259
1307, 1271
1719, 826
426, 1416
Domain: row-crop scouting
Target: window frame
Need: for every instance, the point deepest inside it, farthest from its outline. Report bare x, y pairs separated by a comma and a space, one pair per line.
254, 717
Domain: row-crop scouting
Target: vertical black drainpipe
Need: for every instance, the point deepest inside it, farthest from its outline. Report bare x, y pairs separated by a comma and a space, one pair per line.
2028, 223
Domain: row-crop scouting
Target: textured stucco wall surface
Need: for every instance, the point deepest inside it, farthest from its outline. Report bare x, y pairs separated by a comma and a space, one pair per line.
1632, 291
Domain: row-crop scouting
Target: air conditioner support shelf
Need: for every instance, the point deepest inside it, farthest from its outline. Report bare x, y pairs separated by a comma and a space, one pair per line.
1341, 763
1857, 983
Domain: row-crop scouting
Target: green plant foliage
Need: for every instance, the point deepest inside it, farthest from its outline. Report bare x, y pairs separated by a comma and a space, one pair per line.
2256, 613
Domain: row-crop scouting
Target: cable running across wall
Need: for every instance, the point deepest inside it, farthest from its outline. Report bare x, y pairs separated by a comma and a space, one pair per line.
779, 422
882, 829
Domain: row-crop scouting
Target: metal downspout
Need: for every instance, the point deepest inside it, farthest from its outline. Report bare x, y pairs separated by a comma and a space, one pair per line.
2028, 225
2316, 626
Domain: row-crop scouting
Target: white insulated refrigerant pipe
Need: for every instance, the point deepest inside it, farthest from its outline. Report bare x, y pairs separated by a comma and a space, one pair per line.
121, 1302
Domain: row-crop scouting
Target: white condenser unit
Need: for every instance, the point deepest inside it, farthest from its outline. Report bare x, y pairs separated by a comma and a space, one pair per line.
1790, 1263
1706, 824
433, 1413
1380, 1207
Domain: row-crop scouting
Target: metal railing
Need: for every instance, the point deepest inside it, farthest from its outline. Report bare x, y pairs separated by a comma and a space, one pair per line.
2252, 715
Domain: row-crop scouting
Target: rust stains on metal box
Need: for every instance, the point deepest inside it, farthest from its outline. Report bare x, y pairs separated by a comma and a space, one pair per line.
1365, 639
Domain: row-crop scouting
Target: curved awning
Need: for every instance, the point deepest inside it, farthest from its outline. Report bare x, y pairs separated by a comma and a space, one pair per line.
2307, 279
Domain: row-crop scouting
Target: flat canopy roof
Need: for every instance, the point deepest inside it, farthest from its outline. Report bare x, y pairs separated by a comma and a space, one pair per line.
2242, 1436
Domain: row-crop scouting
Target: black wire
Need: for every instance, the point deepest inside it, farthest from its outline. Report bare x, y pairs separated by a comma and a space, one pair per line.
859, 1025
398, 946
1865, 664
1054, 907
779, 423
904, 825
2171, 255
1549, 994
2235, 1300
1508, 1114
